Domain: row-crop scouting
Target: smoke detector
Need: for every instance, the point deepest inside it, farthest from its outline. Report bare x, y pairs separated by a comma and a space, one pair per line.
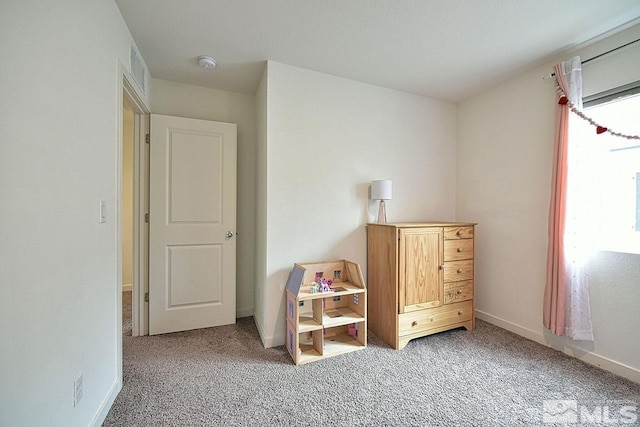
206, 61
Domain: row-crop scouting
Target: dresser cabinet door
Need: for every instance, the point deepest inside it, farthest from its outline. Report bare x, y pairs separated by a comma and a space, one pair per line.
420, 277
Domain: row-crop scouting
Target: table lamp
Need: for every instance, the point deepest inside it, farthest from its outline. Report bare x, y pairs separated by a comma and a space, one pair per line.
381, 190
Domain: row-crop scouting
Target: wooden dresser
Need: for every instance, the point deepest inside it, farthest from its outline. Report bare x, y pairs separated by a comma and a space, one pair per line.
420, 279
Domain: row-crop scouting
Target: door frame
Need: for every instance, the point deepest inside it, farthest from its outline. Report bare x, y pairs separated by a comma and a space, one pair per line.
129, 94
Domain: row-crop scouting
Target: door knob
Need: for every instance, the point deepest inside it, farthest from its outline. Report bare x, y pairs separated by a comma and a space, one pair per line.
229, 234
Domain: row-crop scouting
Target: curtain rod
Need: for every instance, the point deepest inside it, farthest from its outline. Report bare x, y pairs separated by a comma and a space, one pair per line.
548, 76
610, 51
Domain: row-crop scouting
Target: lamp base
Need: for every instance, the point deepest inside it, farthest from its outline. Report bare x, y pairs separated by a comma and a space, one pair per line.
382, 213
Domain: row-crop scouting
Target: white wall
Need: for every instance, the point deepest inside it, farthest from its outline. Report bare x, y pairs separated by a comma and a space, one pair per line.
504, 155
327, 139
59, 282
196, 102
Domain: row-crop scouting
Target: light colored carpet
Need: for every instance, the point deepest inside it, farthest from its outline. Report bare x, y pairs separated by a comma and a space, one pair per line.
126, 313
224, 377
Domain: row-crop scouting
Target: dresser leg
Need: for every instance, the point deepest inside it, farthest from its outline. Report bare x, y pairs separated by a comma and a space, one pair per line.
470, 325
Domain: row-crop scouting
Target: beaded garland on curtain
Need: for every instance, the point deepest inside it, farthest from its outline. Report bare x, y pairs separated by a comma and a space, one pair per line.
599, 128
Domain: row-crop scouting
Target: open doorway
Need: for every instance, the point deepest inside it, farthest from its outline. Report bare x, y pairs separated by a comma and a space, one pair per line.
133, 211
128, 133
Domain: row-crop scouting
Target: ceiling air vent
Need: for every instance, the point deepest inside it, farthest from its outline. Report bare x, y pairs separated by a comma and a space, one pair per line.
137, 68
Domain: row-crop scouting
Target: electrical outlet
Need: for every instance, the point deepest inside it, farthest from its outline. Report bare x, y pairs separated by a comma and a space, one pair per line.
78, 390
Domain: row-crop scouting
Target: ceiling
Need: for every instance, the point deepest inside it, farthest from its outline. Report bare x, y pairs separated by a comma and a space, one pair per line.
442, 49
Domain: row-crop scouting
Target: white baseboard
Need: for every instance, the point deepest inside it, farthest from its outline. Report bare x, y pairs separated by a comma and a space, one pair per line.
244, 312
127, 287
560, 344
511, 327
271, 340
259, 328
106, 404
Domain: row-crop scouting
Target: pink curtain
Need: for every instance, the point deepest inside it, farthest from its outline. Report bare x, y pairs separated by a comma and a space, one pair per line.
555, 293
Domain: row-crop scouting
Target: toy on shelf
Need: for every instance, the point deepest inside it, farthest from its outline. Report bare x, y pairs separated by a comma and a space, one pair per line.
322, 285
325, 317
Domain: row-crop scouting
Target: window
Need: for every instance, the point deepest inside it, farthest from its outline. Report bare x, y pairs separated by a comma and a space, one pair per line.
604, 187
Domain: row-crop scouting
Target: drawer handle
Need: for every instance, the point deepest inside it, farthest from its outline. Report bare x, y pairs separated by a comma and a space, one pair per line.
442, 267
459, 250
459, 270
414, 323
459, 291
460, 313
459, 233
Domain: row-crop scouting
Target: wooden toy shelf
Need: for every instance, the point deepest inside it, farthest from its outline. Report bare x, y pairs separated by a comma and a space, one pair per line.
324, 324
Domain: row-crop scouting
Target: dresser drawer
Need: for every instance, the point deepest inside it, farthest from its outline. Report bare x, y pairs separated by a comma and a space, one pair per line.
452, 233
458, 249
431, 318
454, 271
458, 291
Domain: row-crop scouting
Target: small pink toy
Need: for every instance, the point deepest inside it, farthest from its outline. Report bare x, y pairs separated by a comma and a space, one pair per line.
353, 330
323, 284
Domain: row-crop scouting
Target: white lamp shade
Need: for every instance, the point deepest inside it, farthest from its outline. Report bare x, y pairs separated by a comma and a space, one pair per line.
381, 189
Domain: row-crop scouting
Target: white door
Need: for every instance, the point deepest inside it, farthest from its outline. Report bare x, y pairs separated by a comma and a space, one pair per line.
192, 209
